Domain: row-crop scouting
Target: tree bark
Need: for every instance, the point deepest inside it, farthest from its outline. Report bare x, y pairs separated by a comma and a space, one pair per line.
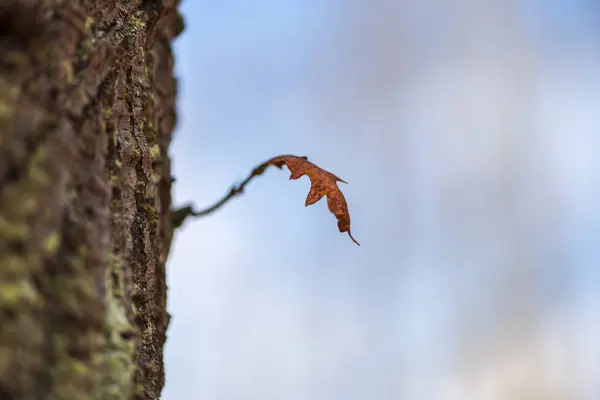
87, 100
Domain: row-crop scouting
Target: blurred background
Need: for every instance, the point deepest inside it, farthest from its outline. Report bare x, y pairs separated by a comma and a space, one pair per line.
469, 133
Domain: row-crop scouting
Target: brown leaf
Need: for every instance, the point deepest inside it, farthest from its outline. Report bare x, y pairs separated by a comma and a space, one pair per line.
322, 183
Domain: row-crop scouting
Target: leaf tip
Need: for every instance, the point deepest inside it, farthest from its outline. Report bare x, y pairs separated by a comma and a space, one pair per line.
354, 240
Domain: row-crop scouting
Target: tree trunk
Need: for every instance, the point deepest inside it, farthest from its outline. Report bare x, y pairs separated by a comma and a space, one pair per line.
86, 113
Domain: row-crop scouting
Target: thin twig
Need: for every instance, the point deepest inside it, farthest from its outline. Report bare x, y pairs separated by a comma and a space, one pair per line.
179, 215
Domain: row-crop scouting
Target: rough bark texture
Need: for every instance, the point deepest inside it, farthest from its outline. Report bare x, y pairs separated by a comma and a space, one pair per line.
86, 113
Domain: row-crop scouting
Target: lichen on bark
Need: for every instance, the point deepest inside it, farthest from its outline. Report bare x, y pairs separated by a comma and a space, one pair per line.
86, 114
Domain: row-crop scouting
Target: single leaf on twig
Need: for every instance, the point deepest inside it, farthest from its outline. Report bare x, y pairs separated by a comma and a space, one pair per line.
322, 183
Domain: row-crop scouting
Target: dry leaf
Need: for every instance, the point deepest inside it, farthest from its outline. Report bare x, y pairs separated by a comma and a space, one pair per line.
322, 183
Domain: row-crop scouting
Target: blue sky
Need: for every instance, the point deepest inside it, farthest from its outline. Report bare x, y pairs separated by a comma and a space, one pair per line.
469, 135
